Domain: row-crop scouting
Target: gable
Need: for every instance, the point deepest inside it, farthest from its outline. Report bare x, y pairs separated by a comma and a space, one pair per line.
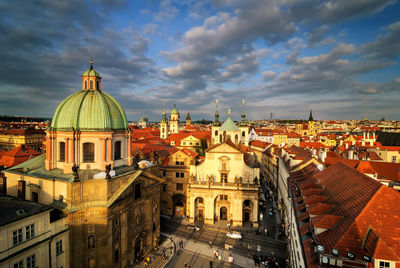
225, 148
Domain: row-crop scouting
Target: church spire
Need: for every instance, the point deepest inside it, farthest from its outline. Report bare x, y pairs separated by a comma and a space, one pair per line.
91, 63
216, 121
311, 117
243, 122
164, 115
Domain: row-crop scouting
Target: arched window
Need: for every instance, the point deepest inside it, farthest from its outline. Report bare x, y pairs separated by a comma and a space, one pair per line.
97, 85
88, 152
117, 150
91, 241
243, 134
236, 139
91, 84
62, 151
85, 84
216, 133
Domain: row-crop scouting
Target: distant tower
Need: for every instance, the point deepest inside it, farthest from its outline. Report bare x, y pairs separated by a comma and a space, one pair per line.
188, 120
271, 116
215, 126
311, 117
244, 128
243, 122
164, 125
174, 120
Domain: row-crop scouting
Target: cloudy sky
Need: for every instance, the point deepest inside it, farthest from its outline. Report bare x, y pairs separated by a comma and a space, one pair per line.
338, 57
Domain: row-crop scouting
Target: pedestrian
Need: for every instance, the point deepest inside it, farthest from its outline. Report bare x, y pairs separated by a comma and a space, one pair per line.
185, 265
181, 244
210, 244
230, 259
215, 254
266, 232
229, 226
211, 264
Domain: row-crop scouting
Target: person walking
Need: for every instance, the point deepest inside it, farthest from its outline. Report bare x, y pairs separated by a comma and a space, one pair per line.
181, 244
210, 244
230, 259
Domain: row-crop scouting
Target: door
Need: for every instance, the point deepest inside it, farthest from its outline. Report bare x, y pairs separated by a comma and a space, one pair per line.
223, 213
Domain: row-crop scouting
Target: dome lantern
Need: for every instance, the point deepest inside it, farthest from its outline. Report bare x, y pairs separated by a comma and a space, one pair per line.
91, 80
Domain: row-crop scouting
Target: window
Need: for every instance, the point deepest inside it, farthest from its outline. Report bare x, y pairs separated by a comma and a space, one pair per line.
117, 150
164, 188
138, 192
243, 134
59, 248
85, 84
179, 187
17, 237
200, 200
31, 261
97, 85
247, 203
35, 197
224, 177
383, 264
223, 197
116, 255
91, 84
184, 143
88, 152
180, 163
21, 189
91, 241
216, 133
19, 264
179, 175
164, 173
30, 231
394, 159
62, 151
3, 185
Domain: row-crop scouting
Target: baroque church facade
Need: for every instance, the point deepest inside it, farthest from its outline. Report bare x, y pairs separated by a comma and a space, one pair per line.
89, 174
225, 186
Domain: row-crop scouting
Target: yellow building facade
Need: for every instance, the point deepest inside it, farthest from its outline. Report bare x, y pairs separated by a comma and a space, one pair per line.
224, 187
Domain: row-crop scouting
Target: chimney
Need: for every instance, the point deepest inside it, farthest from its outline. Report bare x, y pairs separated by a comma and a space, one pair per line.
350, 154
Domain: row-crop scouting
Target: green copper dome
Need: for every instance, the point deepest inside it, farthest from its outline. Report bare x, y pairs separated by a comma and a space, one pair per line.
229, 125
91, 72
174, 110
89, 110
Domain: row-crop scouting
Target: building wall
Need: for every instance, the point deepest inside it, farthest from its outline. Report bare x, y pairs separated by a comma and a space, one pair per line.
46, 234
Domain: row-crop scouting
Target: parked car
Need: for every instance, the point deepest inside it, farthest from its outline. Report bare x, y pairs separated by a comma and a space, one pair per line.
193, 227
234, 235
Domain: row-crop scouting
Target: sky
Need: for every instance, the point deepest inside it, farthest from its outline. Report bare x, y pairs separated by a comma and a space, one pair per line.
339, 58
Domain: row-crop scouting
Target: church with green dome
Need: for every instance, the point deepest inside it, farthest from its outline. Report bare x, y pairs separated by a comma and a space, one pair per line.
89, 129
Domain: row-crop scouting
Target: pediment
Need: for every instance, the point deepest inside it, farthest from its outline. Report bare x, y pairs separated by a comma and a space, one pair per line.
224, 147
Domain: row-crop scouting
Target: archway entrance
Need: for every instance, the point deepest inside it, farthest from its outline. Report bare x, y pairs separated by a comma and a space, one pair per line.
223, 213
247, 211
199, 209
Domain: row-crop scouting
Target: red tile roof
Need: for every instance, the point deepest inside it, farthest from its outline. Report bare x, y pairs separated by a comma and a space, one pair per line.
17, 155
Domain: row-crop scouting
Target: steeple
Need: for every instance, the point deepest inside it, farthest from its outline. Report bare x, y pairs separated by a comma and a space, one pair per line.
91, 63
164, 116
216, 121
243, 122
311, 117
188, 120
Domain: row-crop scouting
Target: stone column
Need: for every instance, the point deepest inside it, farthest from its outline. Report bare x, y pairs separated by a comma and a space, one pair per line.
209, 210
109, 149
67, 151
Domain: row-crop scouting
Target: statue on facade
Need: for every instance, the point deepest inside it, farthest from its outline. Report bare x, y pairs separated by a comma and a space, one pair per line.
108, 169
136, 160
155, 157
255, 180
75, 170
